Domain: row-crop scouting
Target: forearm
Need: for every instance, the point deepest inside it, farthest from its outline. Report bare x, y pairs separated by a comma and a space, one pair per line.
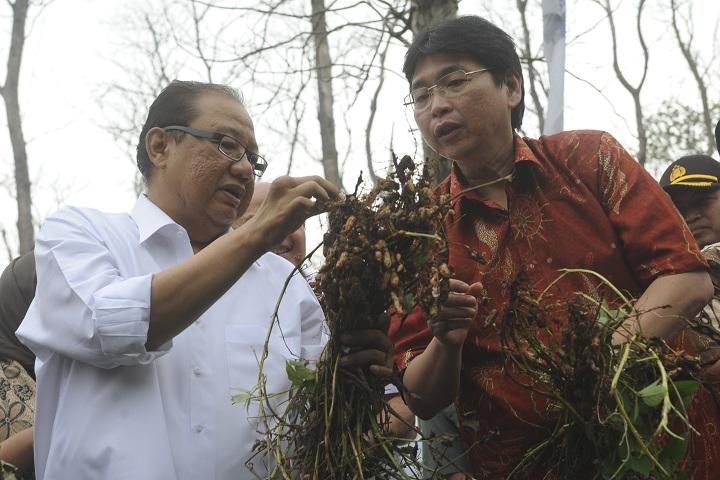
17, 450
401, 423
668, 302
433, 379
180, 294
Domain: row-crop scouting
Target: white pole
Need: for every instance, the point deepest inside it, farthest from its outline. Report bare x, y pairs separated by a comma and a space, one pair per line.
554, 46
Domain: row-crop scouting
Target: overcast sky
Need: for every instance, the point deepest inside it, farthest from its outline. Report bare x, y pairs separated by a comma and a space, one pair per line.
67, 63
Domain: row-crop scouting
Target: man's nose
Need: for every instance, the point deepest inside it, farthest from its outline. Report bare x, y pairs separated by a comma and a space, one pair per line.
439, 104
242, 169
691, 215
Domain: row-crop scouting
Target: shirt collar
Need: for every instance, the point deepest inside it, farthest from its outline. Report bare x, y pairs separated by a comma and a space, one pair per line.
149, 218
524, 157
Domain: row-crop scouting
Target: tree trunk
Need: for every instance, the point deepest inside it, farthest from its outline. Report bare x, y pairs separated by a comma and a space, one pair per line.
9, 93
326, 117
692, 61
424, 13
635, 91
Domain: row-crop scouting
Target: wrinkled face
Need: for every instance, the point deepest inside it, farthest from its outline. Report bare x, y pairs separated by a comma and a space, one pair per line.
472, 125
293, 246
701, 210
198, 186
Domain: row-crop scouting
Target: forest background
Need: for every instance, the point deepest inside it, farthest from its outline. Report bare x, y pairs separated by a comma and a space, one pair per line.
322, 80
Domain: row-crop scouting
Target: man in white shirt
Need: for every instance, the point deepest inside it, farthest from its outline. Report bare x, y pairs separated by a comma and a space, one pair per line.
144, 324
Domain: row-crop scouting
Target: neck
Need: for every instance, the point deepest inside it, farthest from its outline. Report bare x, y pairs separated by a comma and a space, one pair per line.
490, 166
201, 234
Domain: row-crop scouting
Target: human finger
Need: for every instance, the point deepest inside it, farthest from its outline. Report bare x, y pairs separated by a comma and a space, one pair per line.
458, 286
366, 358
476, 289
381, 371
460, 300
449, 325
332, 190
711, 374
447, 313
367, 338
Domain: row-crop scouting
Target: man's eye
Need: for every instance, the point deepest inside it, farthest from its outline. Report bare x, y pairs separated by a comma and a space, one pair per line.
230, 146
421, 97
455, 83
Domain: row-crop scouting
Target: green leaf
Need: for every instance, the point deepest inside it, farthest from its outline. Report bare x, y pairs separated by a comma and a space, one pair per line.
408, 302
607, 315
298, 372
653, 394
640, 464
674, 451
243, 397
687, 390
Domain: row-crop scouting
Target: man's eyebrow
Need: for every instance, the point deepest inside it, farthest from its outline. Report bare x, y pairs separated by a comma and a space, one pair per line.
237, 135
449, 69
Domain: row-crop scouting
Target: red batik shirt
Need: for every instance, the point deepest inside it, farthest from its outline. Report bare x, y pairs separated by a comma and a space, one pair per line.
577, 200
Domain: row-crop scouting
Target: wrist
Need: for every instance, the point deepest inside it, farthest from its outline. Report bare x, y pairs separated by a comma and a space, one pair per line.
251, 240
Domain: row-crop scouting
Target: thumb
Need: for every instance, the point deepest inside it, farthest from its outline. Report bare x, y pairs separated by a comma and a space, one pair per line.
476, 290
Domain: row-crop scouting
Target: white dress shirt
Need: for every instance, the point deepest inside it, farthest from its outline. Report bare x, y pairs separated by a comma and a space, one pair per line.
107, 408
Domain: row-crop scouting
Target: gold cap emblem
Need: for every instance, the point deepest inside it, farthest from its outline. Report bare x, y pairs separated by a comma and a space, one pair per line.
677, 172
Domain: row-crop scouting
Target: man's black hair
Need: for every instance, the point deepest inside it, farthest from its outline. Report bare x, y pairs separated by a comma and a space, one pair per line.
175, 105
477, 38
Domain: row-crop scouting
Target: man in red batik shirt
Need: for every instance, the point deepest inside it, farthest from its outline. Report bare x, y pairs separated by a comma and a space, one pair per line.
570, 200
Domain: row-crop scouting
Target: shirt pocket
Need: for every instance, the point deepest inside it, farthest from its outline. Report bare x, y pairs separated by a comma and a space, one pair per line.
244, 349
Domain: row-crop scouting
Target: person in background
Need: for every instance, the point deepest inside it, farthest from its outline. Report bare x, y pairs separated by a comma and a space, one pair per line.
693, 183
146, 323
528, 208
17, 376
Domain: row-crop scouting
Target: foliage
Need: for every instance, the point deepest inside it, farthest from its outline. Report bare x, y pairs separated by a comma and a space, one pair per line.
676, 130
618, 409
8, 472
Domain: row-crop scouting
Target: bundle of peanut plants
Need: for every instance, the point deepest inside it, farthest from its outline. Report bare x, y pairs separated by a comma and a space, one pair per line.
385, 251
619, 409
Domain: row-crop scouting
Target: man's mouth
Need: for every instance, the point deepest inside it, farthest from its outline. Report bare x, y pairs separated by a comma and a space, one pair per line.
235, 192
445, 129
281, 249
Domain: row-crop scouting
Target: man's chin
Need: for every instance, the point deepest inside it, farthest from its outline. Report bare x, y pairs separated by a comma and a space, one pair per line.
704, 239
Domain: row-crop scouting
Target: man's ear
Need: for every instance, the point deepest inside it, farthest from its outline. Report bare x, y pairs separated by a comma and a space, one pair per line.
513, 82
156, 144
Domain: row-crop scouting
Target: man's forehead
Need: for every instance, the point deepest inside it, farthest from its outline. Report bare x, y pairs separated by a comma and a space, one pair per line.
226, 115
688, 196
432, 67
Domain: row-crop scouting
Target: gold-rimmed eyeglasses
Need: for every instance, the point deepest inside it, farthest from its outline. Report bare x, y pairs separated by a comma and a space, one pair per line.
448, 85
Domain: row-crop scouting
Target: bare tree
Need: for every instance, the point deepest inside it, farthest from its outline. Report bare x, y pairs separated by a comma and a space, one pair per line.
423, 14
691, 57
9, 93
326, 116
634, 90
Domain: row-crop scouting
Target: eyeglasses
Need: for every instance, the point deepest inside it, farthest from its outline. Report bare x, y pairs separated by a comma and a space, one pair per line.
228, 146
448, 85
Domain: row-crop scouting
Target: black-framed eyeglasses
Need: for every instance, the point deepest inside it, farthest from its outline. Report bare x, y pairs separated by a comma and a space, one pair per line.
448, 85
228, 146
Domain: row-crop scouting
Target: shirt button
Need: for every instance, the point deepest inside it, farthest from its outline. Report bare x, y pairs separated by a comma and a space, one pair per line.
196, 371
199, 428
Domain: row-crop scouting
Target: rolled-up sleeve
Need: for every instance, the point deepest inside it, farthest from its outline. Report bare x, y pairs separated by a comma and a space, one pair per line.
85, 308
